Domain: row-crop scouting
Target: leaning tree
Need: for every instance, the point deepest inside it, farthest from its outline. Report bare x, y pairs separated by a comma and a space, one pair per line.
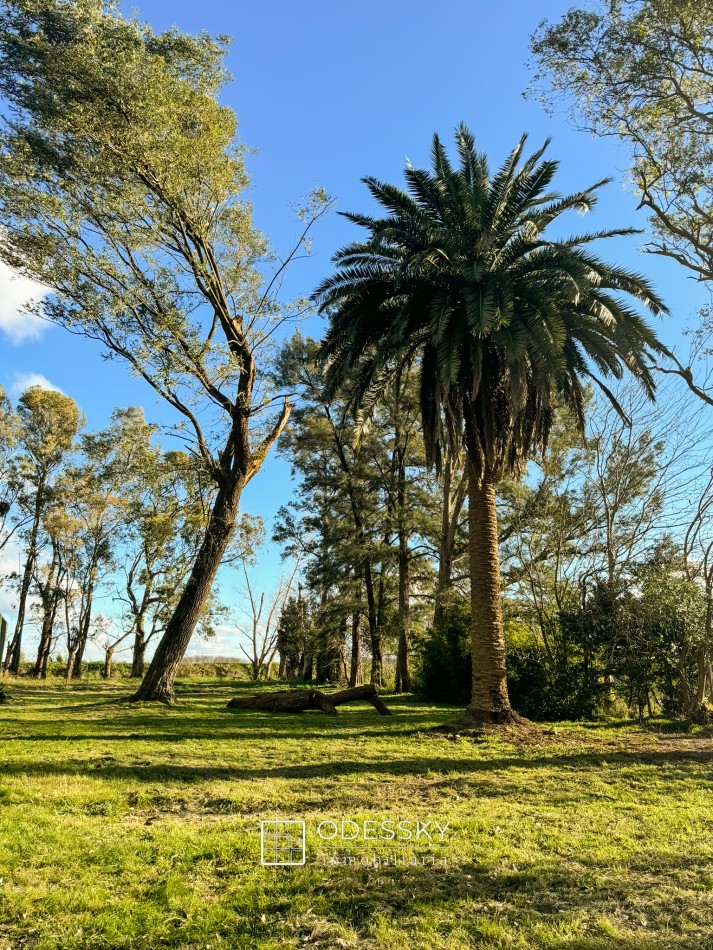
459, 279
121, 192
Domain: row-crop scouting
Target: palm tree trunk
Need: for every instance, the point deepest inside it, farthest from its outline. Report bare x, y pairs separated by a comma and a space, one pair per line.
490, 702
161, 674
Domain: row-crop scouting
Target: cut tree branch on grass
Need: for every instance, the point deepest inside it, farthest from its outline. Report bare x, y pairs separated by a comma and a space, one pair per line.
300, 700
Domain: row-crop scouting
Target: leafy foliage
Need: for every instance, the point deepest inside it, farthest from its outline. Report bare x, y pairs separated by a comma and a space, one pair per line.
642, 70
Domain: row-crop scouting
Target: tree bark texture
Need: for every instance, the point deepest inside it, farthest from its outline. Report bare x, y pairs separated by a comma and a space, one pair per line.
40, 668
490, 702
374, 631
138, 662
50, 597
403, 672
450, 516
159, 678
355, 673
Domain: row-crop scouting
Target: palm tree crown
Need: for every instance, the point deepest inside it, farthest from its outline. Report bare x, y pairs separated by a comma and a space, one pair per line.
460, 277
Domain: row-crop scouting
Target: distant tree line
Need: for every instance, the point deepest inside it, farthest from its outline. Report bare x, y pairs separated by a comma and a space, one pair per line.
605, 546
103, 517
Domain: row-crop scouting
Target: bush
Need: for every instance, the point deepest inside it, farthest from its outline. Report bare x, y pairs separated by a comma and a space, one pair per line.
540, 687
445, 675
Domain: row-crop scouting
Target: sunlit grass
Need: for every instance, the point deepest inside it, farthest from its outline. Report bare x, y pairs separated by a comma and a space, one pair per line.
136, 827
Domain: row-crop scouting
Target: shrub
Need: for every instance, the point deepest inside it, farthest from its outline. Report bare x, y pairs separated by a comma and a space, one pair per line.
445, 674
567, 686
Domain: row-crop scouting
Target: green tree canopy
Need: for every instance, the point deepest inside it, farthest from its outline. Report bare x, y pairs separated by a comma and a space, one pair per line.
121, 190
642, 70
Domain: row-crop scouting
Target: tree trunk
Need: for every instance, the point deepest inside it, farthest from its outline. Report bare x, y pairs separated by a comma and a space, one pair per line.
374, 632
306, 666
355, 674
704, 650
3, 635
77, 669
49, 596
14, 650
161, 674
138, 661
40, 668
490, 702
71, 660
108, 655
403, 673
444, 561
702, 675
85, 619
450, 516
45, 661
299, 700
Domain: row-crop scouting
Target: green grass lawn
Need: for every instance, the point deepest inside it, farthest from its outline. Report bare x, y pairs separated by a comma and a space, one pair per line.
140, 828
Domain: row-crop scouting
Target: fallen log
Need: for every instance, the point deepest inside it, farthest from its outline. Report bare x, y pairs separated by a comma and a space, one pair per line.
300, 700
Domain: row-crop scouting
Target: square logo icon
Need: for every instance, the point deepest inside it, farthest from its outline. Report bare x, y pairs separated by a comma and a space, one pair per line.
282, 843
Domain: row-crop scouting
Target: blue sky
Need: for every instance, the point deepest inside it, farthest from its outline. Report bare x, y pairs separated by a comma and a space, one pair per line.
326, 93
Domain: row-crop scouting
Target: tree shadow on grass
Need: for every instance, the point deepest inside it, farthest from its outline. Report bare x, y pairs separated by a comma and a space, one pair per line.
548, 902
472, 898
357, 733
459, 768
107, 720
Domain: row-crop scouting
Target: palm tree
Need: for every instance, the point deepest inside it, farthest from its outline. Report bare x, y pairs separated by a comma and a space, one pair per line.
501, 322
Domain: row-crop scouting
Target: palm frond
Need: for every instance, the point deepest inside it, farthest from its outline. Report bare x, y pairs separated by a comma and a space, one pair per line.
460, 276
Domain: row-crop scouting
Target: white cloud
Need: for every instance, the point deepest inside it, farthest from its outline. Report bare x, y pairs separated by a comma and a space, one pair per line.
225, 642
22, 381
15, 293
